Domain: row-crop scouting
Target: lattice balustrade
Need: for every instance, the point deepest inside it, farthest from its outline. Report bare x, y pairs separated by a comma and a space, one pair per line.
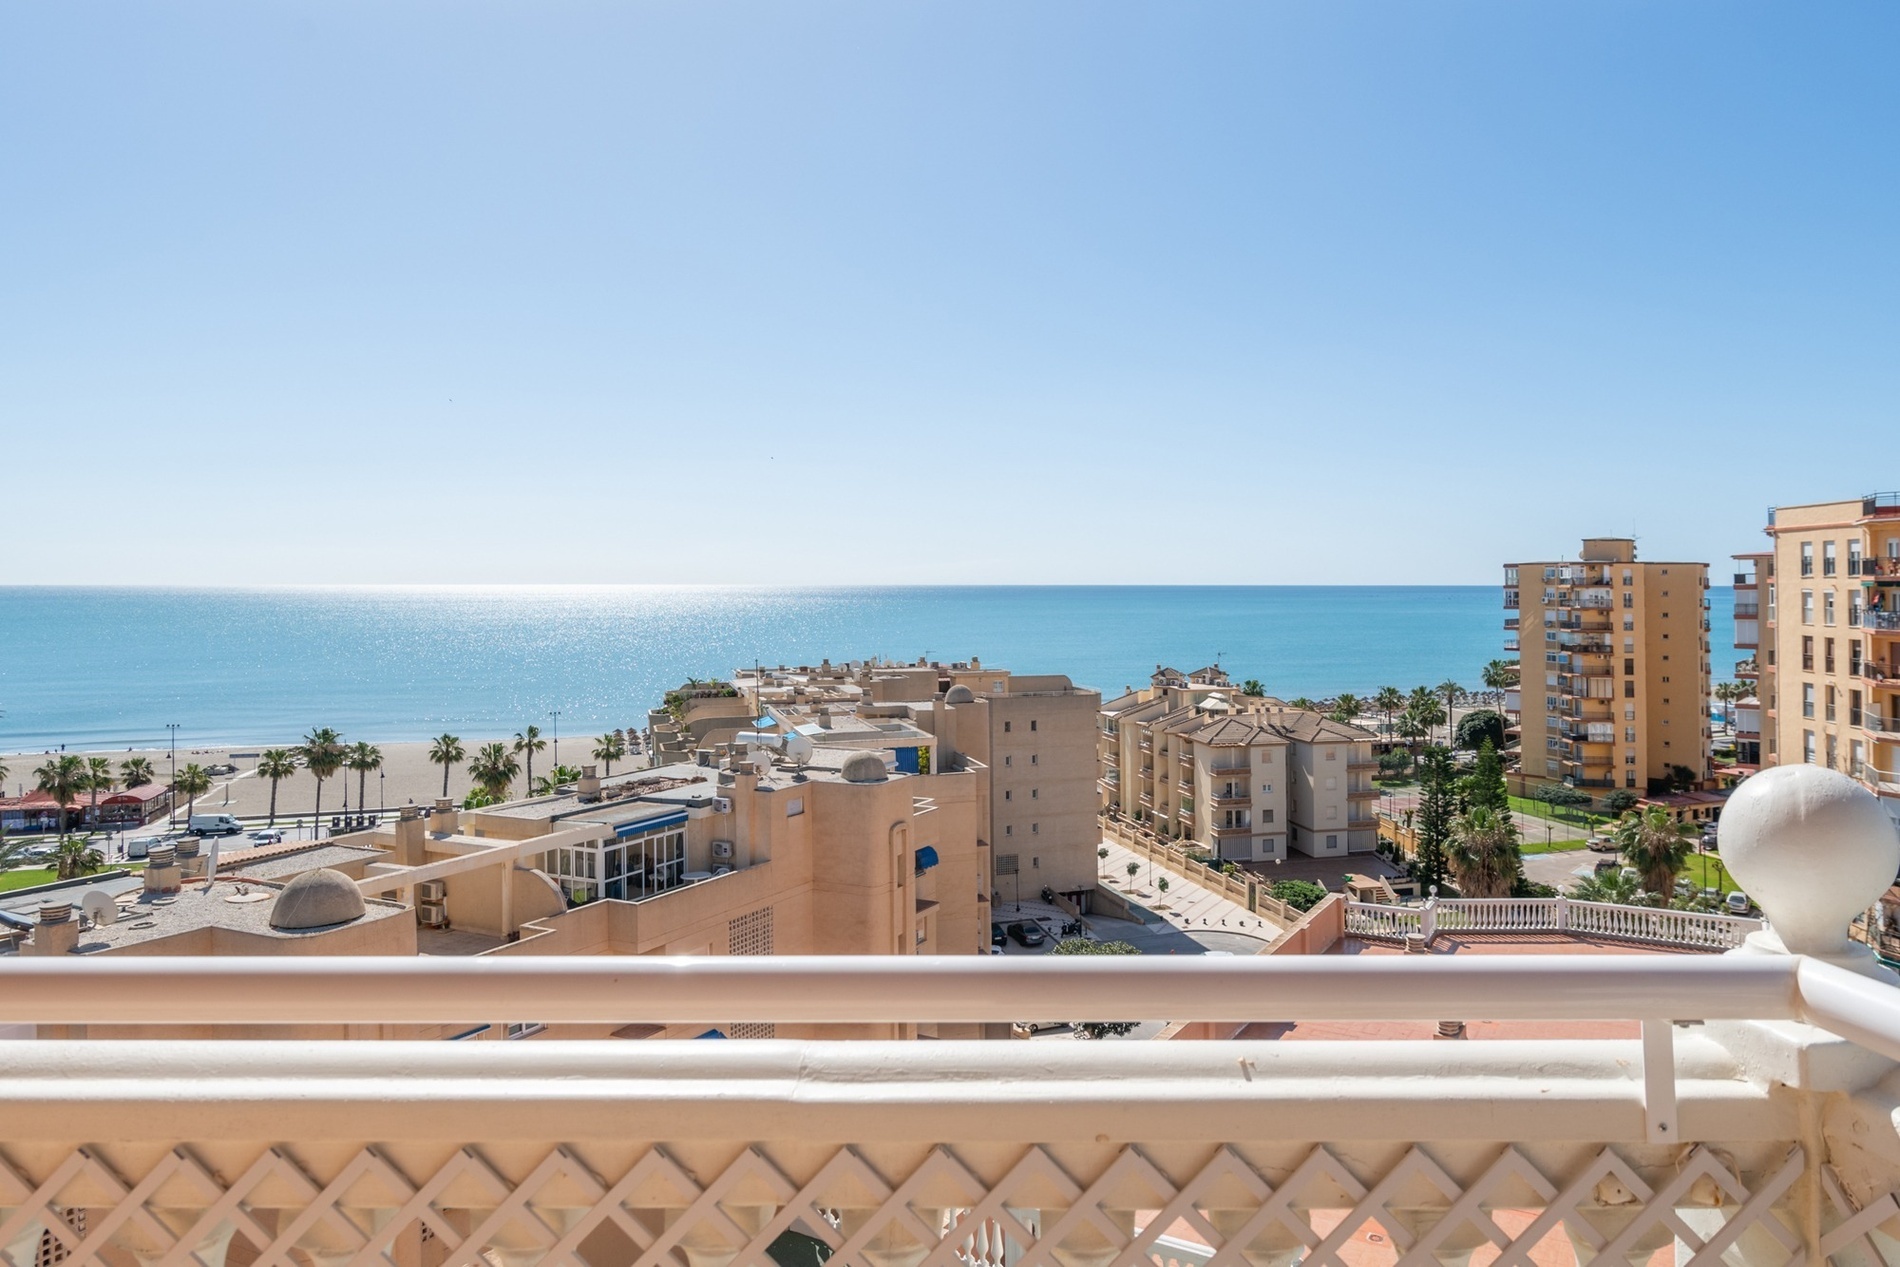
1268, 1205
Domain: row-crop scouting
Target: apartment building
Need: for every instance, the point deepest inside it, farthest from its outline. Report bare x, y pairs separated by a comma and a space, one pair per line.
1755, 633
1245, 777
1829, 657
1614, 680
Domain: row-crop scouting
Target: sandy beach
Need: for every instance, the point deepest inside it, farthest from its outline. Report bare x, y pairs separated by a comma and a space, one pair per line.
407, 775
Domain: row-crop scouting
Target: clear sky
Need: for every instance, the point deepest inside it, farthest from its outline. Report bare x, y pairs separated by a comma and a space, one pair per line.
935, 292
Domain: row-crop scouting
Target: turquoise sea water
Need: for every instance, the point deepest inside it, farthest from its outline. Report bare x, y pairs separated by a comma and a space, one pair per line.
108, 667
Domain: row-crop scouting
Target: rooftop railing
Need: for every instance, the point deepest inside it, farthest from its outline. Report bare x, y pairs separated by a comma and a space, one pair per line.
1748, 1119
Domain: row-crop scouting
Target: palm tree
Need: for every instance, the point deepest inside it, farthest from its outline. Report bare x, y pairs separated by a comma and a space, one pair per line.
1389, 701
528, 742
609, 749
136, 772
1452, 693
63, 779
76, 858
1422, 712
322, 754
555, 779
1656, 845
1253, 686
276, 764
362, 758
446, 751
1483, 854
192, 782
1348, 707
1608, 886
98, 779
493, 768
1300, 702
1500, 676
1730, 694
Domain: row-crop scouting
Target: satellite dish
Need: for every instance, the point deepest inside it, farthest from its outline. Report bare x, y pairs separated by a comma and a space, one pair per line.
99, 907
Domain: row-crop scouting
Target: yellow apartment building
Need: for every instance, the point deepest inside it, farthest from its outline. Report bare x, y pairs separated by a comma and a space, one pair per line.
1245, 777
1614, 680
1829, 690
1755, 634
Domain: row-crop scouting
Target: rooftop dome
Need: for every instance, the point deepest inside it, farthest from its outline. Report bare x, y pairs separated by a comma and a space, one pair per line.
959, 694
863, 767
317, 899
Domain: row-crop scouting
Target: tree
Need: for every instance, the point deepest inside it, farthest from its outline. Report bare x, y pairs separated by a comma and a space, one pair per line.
1162, 884
446, 751
1560, 796
1301, 702
1084, 946
362, 758
1389, 701
1608, 886
63, 779
1347, 708
1452, 693
192, 782
1301, 895
1730, 694
1485, 787
98, 779
1481, 725
1435, 811
77, 857
527, 743
1621, 801
136, 772
1252, 686
276, 764
494, 768
1656, 845
1422, 706
1484, 856
608, 749
322, 754
552, 783
1500, 676
1134, 869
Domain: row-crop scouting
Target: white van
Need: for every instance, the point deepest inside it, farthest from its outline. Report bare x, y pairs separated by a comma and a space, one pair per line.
142, 846
215, 825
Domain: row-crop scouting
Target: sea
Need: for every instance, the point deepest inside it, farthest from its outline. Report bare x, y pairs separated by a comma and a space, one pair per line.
112, 667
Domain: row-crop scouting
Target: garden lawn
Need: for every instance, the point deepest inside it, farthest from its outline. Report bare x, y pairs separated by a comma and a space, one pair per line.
25, 878
1553, 846
1543, 809
1707, 873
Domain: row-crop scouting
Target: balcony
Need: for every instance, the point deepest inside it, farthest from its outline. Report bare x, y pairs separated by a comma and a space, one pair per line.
1747, 610
1231, 796
1510, 622
1230, 831
1748, 668
1363, 794
1362, 767
1881, 621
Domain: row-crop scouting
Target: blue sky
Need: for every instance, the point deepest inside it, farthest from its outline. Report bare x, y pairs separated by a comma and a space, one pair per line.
935, 292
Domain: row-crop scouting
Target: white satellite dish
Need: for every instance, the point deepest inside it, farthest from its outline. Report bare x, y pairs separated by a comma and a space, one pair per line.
99, 907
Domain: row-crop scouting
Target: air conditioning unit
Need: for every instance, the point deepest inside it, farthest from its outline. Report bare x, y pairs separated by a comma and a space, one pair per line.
432, 914
722, 848
436, 891
722, 805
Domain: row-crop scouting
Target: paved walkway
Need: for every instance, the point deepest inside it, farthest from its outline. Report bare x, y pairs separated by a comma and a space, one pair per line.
1186, 905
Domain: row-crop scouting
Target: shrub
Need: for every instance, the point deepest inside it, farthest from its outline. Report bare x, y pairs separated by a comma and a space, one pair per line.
1301, 895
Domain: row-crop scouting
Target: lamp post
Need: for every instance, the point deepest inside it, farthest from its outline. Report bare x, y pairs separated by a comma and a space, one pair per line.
173, 728
556, 714
379, 791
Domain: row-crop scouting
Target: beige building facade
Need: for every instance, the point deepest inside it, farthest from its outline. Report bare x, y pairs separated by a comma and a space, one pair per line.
1828, 684
1614, 668
1245, 777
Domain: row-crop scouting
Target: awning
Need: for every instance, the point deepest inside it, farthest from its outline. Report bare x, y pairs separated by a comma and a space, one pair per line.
926, 858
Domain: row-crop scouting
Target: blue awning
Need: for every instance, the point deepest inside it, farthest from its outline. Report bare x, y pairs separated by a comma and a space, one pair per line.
645, 825
711, 1033
926, 858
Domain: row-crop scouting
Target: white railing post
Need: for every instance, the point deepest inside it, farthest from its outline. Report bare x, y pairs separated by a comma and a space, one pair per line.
1428, 916
1659, 1081
1563, 913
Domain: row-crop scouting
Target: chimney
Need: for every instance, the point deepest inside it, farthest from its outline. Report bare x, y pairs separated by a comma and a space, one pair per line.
824, 718
443, 820
58, 931
190, 861
409, 831
161, 870
588, 788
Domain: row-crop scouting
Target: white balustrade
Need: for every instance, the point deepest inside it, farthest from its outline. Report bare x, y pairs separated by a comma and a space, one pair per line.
1539, 915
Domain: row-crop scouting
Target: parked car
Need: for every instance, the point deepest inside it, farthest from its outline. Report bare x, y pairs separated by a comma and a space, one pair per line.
270, 836
1602, 843
1028, 934
1738, 903
1606, 866
142, 846
998, 938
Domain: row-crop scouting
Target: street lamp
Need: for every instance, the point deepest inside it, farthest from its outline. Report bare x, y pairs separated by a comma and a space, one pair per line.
172, 726
557, 737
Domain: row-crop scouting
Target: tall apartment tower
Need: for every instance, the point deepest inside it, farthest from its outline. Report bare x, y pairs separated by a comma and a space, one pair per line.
1755, 634
1615, 668
1830, 640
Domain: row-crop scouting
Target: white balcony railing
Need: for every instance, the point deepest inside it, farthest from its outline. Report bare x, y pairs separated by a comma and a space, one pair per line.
1551, 915
1752, 1123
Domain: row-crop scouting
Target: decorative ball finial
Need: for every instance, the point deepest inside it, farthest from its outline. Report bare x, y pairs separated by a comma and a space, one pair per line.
1813, 849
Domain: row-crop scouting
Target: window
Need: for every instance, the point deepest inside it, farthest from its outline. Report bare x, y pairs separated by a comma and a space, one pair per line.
795, 807
1332, 811
522, 1029
1266, 815
1008, 830
1629, 714
1833, 752
1032, 723
1629, 668
1807, 558
1827, 654
1010, 760
1807, 699
1807, 652
1629, 689
1008, 795
1807, 607
1629, 758
1853, 656
1032, 759
1332, 842
1035, 829
1629, 623
1853, 558
1827, 608
1629, 577
1829, 697
1629, 598
1035, 794
1629, 734
1853, 708
1827, 566
1006, 728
